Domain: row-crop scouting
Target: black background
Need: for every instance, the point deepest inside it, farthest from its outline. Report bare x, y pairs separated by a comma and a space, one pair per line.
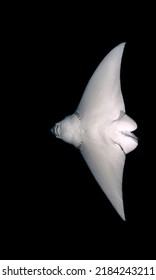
52, 207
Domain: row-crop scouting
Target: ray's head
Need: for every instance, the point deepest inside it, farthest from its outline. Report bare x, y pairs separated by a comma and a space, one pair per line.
68, 130
63, 130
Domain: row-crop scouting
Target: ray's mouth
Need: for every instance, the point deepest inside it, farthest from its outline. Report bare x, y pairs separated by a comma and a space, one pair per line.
56, 130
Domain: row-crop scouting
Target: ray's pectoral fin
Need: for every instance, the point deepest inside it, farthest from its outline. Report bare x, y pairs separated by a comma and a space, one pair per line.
106, 162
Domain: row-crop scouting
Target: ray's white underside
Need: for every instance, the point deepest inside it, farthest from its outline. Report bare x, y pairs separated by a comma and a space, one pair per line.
101, 129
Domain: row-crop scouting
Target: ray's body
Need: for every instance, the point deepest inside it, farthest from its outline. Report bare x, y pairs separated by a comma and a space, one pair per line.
101, 129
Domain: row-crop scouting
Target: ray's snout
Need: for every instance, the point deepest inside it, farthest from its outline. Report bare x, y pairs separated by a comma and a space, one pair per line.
53, 130
56, 130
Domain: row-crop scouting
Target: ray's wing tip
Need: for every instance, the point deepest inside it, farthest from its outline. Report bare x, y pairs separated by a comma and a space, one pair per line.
122, 43
121, 46
120, 210
124, 219
122, 215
